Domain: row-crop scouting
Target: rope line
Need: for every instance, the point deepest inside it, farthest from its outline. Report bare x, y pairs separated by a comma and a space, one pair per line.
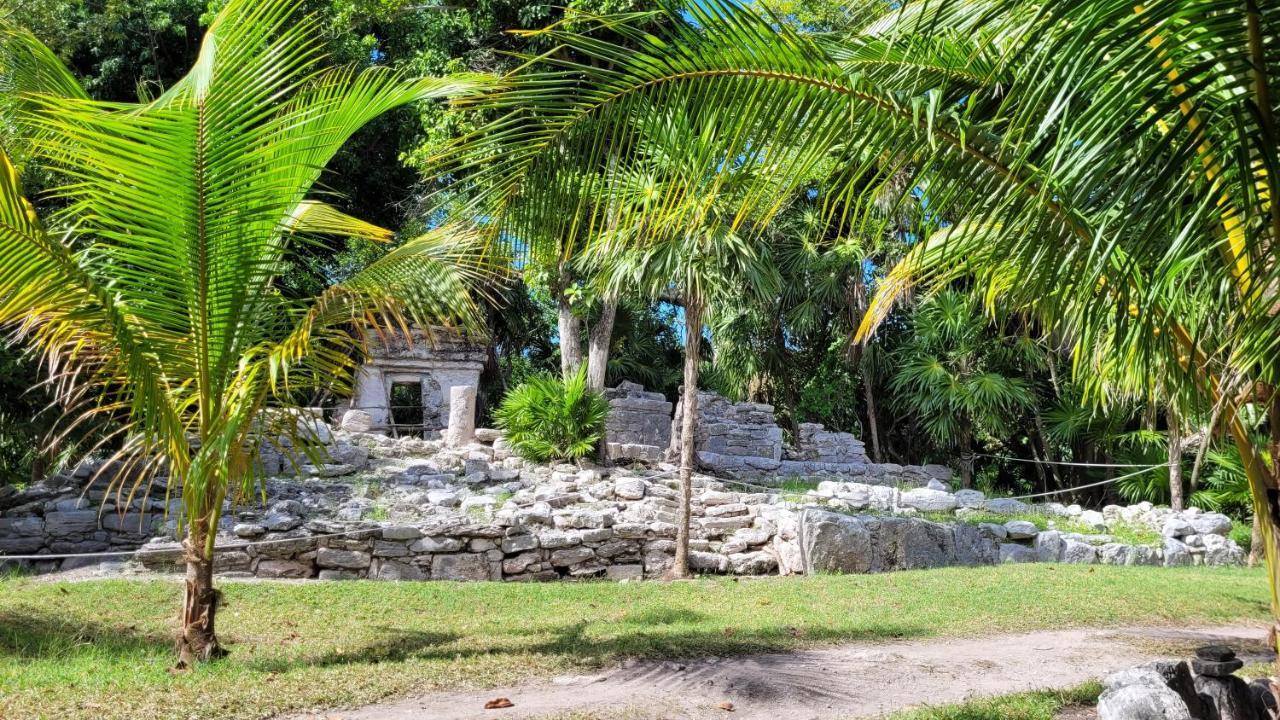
1070, 464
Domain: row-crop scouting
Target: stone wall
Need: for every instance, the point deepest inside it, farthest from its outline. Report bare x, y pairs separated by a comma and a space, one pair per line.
639, 423
75, 513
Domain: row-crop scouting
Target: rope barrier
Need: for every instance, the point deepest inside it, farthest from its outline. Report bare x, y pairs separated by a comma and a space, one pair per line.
1070, 464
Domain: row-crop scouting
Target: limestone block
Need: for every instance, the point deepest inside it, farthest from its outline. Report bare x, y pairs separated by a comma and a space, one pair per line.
462, 416
463, 566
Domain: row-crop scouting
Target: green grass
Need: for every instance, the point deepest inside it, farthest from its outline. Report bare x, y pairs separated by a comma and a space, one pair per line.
1038, 705
100, 649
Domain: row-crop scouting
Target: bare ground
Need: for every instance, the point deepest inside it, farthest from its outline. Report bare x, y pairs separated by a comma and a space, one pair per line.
848, 681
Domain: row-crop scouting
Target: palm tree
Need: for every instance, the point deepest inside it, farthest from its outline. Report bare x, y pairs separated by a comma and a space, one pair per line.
1113, 166
672, 238
950, 377
151, 290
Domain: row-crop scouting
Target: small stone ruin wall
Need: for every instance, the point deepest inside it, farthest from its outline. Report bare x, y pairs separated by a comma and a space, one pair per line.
639, 423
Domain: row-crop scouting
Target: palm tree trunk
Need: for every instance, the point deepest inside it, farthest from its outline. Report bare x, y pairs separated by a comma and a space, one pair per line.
1175, 461
873, 428
569, 326
598, 346
197, 641
966, 458
1256, 544
688, 421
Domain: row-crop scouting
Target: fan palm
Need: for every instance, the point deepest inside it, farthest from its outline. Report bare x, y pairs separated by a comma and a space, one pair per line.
154, 302
1112, 165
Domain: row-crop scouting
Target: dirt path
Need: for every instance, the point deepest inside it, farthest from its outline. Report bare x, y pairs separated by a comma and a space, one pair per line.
848, 681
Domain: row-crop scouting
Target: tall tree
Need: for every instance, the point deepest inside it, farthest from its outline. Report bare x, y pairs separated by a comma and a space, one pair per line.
156, 303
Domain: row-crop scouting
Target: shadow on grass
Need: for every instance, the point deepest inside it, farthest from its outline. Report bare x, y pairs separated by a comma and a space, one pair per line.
654, 634
30, 635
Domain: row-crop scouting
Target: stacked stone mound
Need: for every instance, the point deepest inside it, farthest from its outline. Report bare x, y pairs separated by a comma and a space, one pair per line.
1206, 689
1190, 537
733, 437
419, 509
639, 423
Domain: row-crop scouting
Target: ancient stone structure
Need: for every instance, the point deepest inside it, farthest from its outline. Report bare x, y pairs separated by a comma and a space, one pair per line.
409, 508
639, 423
733, 437
405, 386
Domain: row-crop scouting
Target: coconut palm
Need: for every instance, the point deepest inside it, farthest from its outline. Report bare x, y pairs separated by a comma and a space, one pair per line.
151, 291
1111, 165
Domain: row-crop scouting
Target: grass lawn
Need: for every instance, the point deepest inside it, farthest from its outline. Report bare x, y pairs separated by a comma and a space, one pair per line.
100, 649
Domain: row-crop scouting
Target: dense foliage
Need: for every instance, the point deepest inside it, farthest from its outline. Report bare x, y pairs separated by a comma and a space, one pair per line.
550, 418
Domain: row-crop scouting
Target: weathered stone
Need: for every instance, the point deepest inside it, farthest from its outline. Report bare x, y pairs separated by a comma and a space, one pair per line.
1140, 695
345, 559
1015, 553
629, 488
463, 566
624, 572
462, 416
1094, 519
76, 522
1049, 545
389, 548
284, 569
401, 532
970, 498
571, 556
394, 570
753, 563
436, 545
248, 530
1211, 524
1006, 506
357, 421
1021, 529
926, 500
1078, 553
519, 543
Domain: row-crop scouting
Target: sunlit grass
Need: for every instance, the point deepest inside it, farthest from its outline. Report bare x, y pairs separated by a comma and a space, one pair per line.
101, 649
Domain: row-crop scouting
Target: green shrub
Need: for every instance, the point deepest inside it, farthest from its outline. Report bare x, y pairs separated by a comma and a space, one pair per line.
1242, 533
551, 419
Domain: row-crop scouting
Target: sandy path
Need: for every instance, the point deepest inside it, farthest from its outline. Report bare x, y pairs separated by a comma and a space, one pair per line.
847, 681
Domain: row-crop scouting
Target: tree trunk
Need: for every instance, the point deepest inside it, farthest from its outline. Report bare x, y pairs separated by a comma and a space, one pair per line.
966, 458
598, 346
1175, 461
570, 327
873, 428
688, 420
1255, 544
197, 641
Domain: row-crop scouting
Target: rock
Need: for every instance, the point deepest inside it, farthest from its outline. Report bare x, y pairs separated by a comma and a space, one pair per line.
558, 538
356, 421
934, 484
284, 569
1176, 553
1078, 553
1230, 695
1176, 527
396, 570
488, 435
1142, 702
1212, 524
1094, 520
624, 572
1219, 550
1021, 529
926, 500
572, 556
1006, 506
519, 543
436, 545
444, 498
463, 566
629, 488
248, 530
970, 498
401, 532
753, 563
1049, 546
462, 416
75, 522
976, 546
858, 544
1015, 553
276, 522
708, 562
344, 559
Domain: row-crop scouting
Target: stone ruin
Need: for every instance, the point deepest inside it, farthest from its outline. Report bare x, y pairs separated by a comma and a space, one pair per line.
639, 423
406, 384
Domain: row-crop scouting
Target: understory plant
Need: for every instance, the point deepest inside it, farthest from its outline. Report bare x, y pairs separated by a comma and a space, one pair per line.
548, 418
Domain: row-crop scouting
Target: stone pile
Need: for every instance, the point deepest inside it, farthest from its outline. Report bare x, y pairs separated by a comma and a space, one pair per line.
1207, 689
639, 423
1190, 537
733, 437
